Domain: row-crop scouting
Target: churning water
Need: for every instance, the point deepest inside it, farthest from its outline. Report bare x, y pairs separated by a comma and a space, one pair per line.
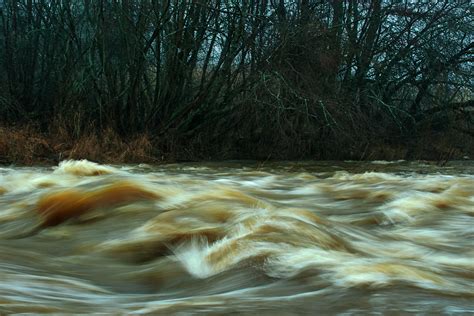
218, 238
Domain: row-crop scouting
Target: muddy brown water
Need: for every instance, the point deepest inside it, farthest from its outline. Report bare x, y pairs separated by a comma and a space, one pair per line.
286, 238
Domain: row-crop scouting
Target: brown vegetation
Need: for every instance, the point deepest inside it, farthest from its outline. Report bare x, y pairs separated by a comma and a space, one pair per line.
27, 145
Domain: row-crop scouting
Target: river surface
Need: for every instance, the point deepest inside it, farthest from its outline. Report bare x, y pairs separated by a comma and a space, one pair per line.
286, 238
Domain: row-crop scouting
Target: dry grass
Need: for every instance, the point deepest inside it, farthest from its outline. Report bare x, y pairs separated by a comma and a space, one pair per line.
26, 145
23, 145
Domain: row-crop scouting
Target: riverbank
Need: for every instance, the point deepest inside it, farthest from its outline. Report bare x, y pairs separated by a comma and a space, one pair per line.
27, 145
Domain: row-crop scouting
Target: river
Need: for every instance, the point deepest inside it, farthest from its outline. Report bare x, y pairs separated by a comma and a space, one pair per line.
274, 238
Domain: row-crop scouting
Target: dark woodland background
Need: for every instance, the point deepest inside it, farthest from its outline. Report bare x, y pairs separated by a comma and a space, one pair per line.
225, 79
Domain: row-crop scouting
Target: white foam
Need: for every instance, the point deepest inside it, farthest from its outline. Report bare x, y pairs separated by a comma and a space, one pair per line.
83, 168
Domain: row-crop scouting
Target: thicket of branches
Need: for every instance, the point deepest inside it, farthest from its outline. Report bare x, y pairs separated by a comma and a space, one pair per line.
241, 78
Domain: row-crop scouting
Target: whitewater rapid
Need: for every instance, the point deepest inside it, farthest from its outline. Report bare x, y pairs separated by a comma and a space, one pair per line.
286, 238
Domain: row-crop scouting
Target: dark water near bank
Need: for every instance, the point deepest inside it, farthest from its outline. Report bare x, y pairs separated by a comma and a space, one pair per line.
244, 238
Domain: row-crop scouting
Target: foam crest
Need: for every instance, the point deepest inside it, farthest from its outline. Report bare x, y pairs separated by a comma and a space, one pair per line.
83, 168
